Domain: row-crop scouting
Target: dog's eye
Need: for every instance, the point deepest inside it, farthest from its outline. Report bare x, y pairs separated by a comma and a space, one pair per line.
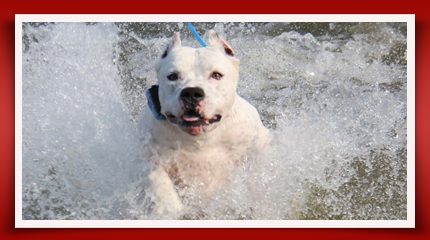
216, 75
173, 76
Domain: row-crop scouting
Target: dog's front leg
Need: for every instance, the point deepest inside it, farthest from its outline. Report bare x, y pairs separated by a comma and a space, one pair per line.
167, 202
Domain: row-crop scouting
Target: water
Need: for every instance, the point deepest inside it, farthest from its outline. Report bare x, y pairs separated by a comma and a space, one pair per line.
332, 94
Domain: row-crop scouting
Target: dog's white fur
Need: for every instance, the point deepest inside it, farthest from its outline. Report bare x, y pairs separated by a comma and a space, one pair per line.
204, 159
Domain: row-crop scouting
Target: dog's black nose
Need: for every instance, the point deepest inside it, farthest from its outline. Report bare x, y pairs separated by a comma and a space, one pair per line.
192, 94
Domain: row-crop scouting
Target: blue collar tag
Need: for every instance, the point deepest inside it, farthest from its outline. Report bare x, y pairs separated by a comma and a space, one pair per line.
154, 102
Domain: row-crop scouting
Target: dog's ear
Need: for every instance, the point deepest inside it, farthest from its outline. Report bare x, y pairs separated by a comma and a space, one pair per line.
175, 42
216, 40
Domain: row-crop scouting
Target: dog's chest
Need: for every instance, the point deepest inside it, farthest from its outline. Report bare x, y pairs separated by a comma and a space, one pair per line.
206, 168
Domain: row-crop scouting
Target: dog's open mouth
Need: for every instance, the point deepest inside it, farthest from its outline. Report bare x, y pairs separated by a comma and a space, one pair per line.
194, 123
193, 118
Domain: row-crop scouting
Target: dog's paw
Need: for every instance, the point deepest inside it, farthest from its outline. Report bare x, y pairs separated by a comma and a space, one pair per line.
169, 207
167, 202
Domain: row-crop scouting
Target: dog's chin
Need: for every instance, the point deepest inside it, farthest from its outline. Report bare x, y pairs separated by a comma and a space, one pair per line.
194, 130
195, 124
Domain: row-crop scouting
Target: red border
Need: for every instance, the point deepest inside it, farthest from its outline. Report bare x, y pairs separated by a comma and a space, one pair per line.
9, 8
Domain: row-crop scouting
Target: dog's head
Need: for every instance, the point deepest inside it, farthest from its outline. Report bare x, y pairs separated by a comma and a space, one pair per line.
197, 86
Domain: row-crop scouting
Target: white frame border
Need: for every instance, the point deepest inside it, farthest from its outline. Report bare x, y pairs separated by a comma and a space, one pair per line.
408, 223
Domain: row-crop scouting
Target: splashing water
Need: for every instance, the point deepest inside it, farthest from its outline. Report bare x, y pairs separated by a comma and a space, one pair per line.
333, 95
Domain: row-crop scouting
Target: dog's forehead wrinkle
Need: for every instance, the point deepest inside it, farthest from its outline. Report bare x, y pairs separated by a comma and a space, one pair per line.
209, 60
199, 61
182, 60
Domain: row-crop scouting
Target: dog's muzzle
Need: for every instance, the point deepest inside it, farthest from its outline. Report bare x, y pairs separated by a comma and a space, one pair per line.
191, 121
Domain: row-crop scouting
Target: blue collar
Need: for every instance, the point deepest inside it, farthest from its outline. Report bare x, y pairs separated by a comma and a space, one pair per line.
154, 102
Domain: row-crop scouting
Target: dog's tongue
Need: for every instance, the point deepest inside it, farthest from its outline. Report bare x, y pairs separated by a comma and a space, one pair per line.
191, 117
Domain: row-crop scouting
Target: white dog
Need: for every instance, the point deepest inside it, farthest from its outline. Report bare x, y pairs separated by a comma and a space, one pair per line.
200, 128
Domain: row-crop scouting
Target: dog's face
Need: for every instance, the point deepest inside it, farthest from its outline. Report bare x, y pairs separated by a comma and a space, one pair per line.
197, 86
